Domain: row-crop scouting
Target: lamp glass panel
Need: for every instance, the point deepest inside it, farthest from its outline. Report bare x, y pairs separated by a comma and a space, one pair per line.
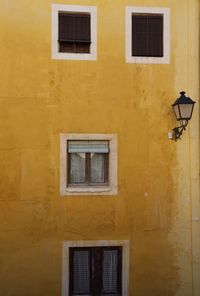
186, 110
176, 111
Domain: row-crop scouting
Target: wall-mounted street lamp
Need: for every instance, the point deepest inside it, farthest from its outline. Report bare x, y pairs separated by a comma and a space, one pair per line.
183, 109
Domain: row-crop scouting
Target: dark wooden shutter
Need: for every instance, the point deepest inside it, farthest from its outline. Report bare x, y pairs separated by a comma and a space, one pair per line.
155, 36
74, 32
66, 27
82, 28
147, 35
139, 35
96, 270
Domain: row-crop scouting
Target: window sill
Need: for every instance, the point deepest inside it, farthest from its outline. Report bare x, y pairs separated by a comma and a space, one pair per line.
89, 190
73, 56
147, 60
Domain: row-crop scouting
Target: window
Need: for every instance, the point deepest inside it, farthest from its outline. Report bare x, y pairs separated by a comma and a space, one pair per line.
95, 268
95, 271
88, 164
73, 32
147, 35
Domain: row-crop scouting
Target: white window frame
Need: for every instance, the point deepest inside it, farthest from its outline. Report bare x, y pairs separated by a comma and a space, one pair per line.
110, 189
56, 8
130, 10
99, 243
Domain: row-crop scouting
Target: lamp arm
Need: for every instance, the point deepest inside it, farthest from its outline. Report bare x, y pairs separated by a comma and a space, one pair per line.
179, 130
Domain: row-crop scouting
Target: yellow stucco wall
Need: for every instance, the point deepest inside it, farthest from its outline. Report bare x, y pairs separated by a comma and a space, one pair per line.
157, 207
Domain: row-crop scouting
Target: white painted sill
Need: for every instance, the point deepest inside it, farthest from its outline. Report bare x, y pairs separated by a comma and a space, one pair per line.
92, 190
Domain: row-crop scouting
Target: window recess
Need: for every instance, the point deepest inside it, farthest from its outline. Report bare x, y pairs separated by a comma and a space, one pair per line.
74, 32
95, 271
88, 163
147, 35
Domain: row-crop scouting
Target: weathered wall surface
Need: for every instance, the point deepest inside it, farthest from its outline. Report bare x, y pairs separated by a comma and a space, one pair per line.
157, 206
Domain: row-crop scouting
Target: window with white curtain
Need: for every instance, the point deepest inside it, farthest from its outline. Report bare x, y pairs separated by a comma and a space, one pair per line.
95, 271
88, 164
99, 268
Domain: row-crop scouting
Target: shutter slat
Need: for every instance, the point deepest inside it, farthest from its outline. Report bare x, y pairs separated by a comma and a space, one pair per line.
82, 28
139, 35
147, 35
74, 28
66, 28
155, 36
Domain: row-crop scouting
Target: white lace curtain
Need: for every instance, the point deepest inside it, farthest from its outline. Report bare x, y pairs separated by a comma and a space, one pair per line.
81, 273
78, 167
110, 264
81, 276
97, 168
